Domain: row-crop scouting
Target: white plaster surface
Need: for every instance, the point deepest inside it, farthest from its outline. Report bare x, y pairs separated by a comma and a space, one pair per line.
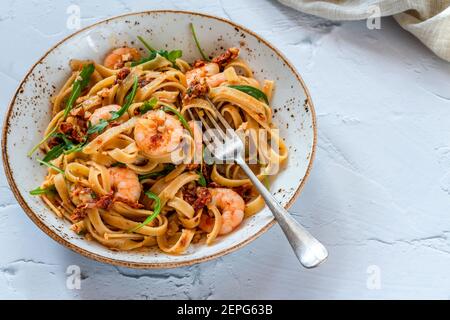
378, 196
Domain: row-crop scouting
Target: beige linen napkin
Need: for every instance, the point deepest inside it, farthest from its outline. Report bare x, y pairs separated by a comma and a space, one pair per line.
428, 20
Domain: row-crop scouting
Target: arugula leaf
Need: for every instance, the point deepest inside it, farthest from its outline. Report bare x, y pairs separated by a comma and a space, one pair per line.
128, 101
201, 179
149, 48
65, 147
99, 127
167, 169
252, 91
197, 43
54, 152
76, 147
180, 117
156, 211
68, 144
144, 60
79, 86
48, 135
102, 124
148, 105
169, 55
173, 55
38, 191
52, 166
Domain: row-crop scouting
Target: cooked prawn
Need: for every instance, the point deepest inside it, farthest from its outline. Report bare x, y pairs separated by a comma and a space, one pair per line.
116, 59
157, 133
126, 184
206, 70
208, 73
103, 113
201, 79
211, 71
232, 208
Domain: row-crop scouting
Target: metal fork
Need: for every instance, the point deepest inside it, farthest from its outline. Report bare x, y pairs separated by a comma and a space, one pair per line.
226, 145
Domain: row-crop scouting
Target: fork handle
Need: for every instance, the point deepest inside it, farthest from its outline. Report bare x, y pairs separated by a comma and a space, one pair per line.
309, 251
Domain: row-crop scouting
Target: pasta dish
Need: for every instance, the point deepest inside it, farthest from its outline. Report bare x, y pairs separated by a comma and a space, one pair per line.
125, 151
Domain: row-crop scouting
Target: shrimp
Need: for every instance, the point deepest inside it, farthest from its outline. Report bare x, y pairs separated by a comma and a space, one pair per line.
126, 184
206, 70
232, 206
157, 133
200, 79
211, 70
116, 59
103, 113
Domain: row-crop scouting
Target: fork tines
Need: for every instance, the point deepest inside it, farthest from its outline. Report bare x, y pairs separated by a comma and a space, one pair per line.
220, 138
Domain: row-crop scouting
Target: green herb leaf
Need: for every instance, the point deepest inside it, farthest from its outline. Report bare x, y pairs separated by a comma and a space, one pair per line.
65, 147
167, 169
149, 48
67, 143
102, 124
69, 146
180, 117
148, 105
79, 86
52, 166
144, 60
76, 147
156, 211
173, 55
169, 55
197, 43
38, 191
42, 141
54, 152
128, 101
201, 179
99, 127
252, 91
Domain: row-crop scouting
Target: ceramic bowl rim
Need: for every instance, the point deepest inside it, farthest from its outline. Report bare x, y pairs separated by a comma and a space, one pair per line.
145, 265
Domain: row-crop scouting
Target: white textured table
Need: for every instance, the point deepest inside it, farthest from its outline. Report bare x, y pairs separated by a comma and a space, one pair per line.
378, 197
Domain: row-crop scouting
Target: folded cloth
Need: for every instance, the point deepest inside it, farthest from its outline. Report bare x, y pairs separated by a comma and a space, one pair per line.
428, 20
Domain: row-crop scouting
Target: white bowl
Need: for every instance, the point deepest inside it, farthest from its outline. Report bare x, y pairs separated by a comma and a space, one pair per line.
29, 113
